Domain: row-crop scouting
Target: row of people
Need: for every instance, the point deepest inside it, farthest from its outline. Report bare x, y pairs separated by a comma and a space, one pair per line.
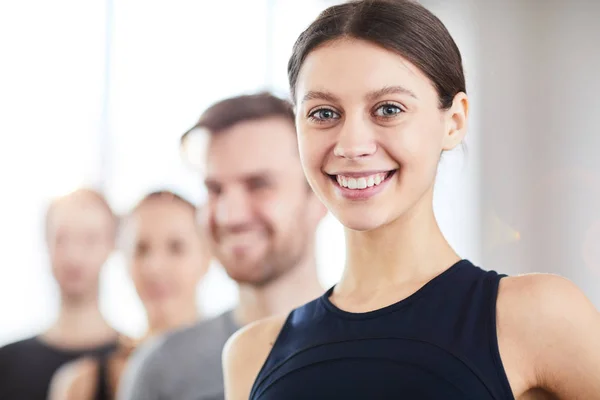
250, 224
379, 94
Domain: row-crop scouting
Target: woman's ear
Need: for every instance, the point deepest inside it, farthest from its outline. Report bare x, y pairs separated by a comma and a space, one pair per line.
456, 122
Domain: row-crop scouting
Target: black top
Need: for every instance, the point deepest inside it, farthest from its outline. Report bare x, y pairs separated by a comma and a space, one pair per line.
27, 367
102, 385
439, 343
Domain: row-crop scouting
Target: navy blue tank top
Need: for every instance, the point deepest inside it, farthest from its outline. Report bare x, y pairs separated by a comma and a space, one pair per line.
439, 343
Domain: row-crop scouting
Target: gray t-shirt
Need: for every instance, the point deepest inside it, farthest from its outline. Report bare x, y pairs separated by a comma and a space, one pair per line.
184, 365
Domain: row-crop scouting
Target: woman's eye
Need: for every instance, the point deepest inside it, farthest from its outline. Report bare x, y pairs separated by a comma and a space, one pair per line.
323, 114
387, 110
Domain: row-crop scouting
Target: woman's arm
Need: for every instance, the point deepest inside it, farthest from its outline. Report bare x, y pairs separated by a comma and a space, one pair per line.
556, 330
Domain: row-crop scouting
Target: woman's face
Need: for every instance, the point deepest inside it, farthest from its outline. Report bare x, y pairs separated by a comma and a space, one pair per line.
370, 132
167, 257
80, 236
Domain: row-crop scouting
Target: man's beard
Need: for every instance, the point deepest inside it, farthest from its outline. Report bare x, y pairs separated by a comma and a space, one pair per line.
275, 263
283, 256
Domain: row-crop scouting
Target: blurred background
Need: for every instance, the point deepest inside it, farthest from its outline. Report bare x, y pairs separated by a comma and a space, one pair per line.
98, 93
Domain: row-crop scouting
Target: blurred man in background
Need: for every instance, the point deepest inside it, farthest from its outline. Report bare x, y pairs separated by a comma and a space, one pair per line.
261, 218
80, 233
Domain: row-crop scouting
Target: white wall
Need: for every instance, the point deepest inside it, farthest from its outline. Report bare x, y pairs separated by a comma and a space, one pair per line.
51, 93
457, 200
540, 135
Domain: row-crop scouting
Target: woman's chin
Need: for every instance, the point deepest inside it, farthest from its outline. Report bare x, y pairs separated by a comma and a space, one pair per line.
360, 222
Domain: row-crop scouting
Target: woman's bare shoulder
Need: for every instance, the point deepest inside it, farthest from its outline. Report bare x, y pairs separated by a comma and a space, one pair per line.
245, 353
548, 333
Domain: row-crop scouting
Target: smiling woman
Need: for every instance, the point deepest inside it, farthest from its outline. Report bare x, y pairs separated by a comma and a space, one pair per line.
380, 94
390, 121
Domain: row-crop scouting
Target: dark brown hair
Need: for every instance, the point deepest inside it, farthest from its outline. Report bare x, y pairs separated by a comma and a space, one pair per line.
229, 112
164, 195
401, 26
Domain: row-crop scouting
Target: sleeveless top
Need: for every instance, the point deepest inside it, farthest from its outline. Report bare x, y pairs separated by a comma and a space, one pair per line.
27, 366
439, 343
105, 389
103, 386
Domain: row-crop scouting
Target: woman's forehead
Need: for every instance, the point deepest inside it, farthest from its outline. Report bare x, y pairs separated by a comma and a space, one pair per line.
356, 67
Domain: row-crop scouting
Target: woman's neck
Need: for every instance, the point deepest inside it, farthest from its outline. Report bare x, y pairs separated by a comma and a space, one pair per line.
405, 252
80, 324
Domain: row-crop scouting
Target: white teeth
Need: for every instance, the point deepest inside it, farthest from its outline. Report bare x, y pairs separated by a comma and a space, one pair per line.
362, 182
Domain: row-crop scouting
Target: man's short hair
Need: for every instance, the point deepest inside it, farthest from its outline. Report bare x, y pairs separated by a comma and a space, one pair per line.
229, 112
